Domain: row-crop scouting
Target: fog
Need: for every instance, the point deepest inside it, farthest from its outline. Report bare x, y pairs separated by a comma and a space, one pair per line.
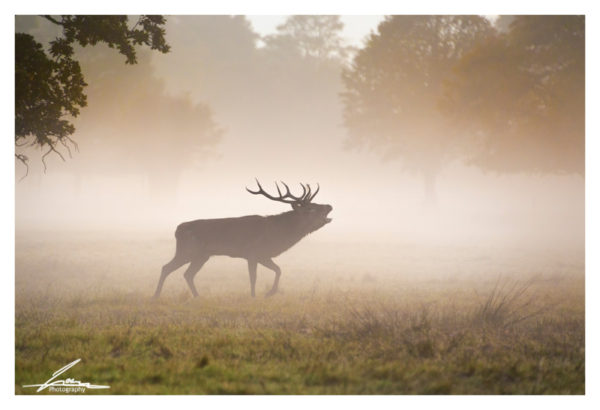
180, 135
444, 252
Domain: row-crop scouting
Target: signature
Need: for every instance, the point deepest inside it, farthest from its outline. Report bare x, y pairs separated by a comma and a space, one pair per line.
66, 383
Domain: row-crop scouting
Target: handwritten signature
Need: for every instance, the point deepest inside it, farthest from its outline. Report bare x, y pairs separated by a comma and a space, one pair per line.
66, 382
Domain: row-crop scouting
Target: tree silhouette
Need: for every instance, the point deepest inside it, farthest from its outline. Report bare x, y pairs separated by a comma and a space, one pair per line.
310, 36
301, 65
134, 126
49, 89
303, 59
268, 96
393, 88
520, 97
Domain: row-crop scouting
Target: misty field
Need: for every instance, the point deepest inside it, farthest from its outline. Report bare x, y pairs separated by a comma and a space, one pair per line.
350, 319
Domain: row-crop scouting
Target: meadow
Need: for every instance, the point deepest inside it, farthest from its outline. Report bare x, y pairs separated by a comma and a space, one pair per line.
351, 318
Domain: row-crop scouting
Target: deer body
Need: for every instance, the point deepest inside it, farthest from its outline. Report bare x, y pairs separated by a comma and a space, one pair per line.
255, 238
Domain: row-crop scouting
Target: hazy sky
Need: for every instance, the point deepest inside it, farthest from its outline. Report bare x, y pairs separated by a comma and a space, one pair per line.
355, 27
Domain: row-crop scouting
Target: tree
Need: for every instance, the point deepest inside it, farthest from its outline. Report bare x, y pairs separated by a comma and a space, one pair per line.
49, 89
212, 55
393, 88
502, 23
304, 58
134, 126
269, 98
310, 36
521, 97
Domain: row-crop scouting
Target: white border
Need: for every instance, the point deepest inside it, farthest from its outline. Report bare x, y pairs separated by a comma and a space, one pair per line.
264, 7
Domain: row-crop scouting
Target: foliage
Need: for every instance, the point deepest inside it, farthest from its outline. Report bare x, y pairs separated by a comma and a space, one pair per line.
45, 90
429, 89
393, 87
148, 132
521, 94
49, 90
316, 36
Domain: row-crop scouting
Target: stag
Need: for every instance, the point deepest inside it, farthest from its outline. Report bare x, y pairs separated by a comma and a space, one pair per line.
258, 239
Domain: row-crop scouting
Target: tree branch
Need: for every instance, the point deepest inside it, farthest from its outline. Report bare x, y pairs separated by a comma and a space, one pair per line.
72, 142
23, 158
136, 24
53, 20
48, 152
64, 144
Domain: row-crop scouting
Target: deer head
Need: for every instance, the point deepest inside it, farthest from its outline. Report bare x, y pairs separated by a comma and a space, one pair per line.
314, 215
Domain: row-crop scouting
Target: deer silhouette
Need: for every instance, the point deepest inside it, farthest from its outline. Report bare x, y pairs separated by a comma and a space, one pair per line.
258, 239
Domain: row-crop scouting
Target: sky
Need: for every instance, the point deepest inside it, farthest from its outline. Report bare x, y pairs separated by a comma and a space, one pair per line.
355, 27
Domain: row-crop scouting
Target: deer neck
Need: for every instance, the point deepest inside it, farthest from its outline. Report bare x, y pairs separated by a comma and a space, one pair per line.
289, 228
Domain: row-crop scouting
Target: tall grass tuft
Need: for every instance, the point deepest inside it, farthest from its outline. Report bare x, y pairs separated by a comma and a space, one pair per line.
507, 304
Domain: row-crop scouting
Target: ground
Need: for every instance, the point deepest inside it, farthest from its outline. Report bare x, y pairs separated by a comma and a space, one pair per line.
351, 318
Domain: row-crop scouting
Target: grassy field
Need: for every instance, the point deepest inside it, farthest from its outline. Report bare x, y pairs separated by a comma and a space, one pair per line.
350, 319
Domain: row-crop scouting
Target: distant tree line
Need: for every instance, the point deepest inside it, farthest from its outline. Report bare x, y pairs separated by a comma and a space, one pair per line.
134, 126
506, 96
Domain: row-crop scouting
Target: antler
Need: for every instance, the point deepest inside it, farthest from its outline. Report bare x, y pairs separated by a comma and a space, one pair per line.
308, 196
288, 198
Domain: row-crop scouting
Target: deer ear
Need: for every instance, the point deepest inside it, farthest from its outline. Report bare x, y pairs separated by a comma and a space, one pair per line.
295, 206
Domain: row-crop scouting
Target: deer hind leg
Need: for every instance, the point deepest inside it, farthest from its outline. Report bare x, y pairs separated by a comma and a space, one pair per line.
252, 272
176, 263
191, 272
268, 263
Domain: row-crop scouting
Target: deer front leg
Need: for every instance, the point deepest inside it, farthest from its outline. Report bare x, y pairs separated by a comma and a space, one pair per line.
268, 263
252, 272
